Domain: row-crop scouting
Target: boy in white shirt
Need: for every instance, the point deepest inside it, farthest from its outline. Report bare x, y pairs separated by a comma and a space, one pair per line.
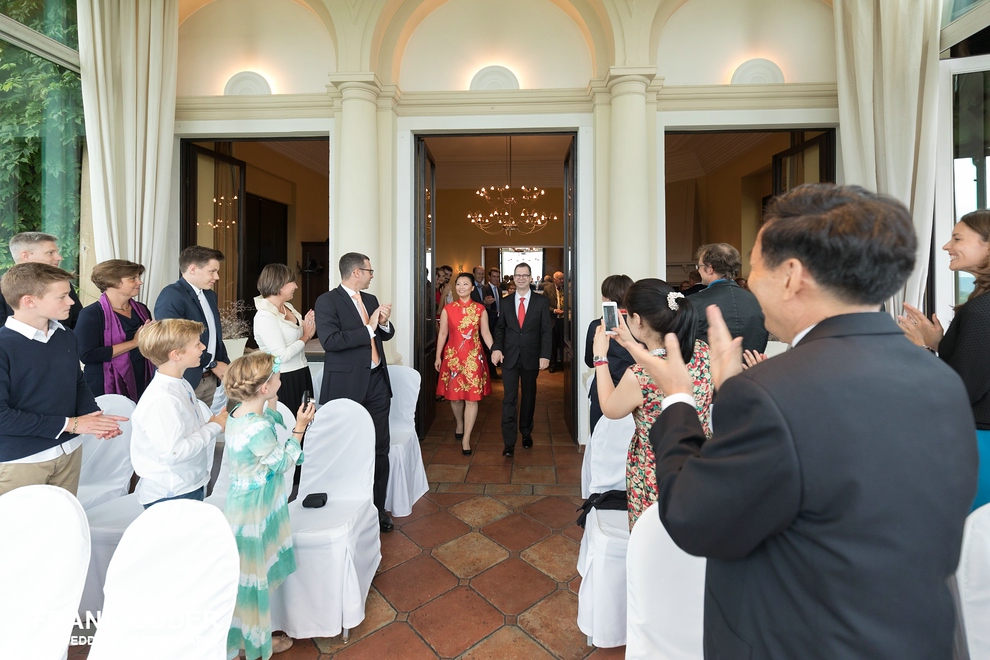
173, 432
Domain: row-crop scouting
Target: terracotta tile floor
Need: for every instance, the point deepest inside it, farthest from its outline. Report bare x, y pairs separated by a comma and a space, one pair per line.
485, 566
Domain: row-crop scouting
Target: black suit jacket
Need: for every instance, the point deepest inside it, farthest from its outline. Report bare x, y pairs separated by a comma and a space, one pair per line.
347, 364
179, 301
523, 347
831, 500
6, 310
741, 312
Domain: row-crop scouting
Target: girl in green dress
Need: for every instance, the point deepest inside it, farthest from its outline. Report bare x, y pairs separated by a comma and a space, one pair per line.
257, 504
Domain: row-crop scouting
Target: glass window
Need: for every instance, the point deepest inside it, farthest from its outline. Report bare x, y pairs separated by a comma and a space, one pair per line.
41, 139
55, 19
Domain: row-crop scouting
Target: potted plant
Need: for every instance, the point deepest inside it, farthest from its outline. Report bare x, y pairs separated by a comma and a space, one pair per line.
234, 327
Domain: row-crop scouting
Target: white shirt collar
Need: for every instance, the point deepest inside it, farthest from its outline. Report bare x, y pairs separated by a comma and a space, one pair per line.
30, 332
350, 293
801, 335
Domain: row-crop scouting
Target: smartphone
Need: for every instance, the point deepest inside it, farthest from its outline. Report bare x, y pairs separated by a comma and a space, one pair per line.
610, 316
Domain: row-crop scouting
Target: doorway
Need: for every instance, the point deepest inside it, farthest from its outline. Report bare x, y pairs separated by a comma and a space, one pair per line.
458, 226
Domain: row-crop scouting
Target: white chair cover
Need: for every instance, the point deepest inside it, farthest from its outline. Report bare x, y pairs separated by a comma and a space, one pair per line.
107, 523
171, 586
337, 547
602, 556
407, 474
973, 579
666, 595
44, 553
106, 464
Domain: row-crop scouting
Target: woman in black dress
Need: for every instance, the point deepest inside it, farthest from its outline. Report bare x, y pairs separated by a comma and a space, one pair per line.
107, 332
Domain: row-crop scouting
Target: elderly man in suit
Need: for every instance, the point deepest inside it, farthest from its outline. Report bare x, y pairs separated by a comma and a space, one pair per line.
192, 297
831, 499
37, 247
351, 326
718, 266
522, 346
554, 292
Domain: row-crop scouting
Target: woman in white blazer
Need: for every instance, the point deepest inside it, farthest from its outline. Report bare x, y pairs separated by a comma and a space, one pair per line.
282, 331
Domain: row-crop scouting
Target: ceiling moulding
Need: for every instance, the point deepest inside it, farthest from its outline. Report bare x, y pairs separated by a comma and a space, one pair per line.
509, 101
757, 71
247, 83
748, 97
277, 106
493, 78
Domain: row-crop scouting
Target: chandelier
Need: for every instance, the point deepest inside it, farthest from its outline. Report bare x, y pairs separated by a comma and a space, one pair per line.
512, 209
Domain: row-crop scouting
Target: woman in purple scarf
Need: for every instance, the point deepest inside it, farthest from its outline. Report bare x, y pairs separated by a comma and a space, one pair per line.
107, 332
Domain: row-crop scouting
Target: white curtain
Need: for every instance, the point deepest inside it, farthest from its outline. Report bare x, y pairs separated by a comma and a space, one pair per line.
128, 51
887, 61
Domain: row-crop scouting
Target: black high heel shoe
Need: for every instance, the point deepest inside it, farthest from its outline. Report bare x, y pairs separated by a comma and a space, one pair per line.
466, 452
458, 436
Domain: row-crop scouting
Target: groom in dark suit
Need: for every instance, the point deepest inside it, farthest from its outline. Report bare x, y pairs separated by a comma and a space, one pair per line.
831, 499
352, 326
192, 298
521, 345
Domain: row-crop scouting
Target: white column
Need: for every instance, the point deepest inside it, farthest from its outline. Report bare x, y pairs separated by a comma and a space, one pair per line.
630, 224
358, 221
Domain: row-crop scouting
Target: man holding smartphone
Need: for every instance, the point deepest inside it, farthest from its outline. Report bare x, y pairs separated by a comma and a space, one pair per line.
522, 341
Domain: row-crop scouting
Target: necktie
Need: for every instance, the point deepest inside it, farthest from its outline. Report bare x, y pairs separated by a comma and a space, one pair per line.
522, 311
366, 318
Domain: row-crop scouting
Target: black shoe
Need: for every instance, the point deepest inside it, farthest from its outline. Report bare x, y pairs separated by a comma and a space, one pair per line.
459, 436
527, 442
385, 523
509, 450
466, 452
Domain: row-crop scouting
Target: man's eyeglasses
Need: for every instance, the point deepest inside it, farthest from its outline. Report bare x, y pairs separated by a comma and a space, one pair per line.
368, 270
521, 275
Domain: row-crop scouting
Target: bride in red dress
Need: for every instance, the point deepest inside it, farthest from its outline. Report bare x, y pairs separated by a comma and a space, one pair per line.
464, 378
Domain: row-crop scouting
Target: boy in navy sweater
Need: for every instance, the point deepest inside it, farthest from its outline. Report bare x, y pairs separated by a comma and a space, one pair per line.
44, 400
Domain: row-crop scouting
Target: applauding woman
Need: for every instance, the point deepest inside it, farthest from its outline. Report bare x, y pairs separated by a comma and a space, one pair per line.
107, 332
282, 331
464, 378
257, 504
965, 346
654, 309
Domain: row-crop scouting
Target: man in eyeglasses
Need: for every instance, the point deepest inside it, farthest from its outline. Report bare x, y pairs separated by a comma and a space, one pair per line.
352, 327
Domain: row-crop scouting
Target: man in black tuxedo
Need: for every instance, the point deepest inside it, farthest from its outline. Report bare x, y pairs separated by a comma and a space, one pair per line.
719, 264
830, 501
351, 326
523, 349
192, 297
37, 247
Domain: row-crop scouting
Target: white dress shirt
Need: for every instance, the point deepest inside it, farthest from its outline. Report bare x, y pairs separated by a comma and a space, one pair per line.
211, 323
525, 299
32, 333
357, 306
170, 440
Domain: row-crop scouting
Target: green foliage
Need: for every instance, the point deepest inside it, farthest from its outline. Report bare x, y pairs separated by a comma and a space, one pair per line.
41, 134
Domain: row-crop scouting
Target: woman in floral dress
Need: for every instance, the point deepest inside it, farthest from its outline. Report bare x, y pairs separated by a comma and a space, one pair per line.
464, 377
654, 309
256, 505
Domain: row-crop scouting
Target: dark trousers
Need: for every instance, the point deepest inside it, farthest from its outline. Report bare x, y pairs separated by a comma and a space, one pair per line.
557, 342
378, 402
511, 379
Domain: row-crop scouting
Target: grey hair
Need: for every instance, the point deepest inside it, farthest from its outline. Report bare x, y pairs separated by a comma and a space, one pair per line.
27, 240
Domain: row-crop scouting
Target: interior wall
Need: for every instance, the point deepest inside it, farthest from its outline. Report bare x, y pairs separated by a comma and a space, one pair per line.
280, 39
534, 39
706, 40
461, 245
271, 175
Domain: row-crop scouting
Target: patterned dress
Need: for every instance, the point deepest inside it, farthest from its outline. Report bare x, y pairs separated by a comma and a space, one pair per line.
464, 372
257, 509
641, 469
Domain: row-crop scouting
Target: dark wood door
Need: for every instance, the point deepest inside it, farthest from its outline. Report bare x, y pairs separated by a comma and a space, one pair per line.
570, 312
425, 336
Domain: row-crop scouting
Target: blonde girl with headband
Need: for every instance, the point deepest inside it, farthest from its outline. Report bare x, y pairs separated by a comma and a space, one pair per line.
654, 309
257, 503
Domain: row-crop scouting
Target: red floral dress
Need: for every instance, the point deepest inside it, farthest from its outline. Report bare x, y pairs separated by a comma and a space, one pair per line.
641, 469
464, 372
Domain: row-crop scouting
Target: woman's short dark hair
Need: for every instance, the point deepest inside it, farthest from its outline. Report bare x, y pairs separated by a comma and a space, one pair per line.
648, 298
470, 276
110, 273
614, 287
857, 244
273, 277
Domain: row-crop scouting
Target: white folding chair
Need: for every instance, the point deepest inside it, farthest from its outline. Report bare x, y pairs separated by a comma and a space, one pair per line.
106, 464
337, 547
666, 595
407, 474
602, 556
44, 552
171, 586
107, 523
973, 580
